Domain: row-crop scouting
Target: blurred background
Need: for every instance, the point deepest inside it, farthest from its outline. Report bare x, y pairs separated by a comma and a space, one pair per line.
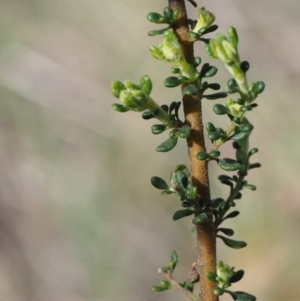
79, 219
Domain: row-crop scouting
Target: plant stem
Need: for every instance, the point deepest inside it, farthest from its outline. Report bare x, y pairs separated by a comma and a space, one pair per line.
175, 284
206, 240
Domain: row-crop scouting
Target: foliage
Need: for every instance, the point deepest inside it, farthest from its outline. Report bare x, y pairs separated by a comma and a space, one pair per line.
193, 78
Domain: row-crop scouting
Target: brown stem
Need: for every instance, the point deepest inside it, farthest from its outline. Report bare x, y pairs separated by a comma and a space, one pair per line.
206, 240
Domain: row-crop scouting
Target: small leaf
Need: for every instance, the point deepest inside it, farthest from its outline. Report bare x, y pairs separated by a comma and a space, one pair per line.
193, 35
210, 72
201, 218
258, 87
226, 231
174, 257
235, 244
254, 165
165, 284
182, 213
253, 151
238, 275
172, 106
165, 108
215, 95
229, 165
156, 18
190, 90
173, 133
212, 276
166, 192
168, 12
210, 29
214, 86
146, 85
245, 66
214, 136
250, 186
210, 127
218, 291
147, 115
220, 109
246, 127
214, 154
202, 156
158, 128
167, 145
197, 61
184, 132
119, 108
216, 203
172, 82
158, 289
231, 215
175, 15
240, 136
241, 296
157, 32
159, 183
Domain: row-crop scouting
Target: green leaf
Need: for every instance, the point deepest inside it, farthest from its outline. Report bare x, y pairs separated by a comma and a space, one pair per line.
258, 87
165, 284
214, 154
197, 61
172, 82
212, 276
159, 183
202, 156
201, 218
209, 29
167, 145
245, 66
211, 71
190, 90
193, 35
253, 151
233, 36
210, 127
184, 132
213, 86
175, 15
158, 289
167, 12
146, 85
238, 275
254, 165
174, 256
156, 18
218, 291
215, 95
246, 127
182, 213
158, 128
157, 32
119, 108
235, 244
216, 203
173, 133
214, 136
226, 231
167, 192
220, 109
229, 165
250, 186
241, 296
147, 115
231, 215
240, 136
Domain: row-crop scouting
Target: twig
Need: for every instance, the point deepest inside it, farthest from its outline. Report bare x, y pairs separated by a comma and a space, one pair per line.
176, 285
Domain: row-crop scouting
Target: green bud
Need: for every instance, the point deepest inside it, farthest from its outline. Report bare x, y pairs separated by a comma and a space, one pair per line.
233, 36
116, 88
119, 108
157, 289
204, 19
134, 100
174, 257
146, 85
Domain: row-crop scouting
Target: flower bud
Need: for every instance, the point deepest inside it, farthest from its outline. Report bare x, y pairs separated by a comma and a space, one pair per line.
204, 19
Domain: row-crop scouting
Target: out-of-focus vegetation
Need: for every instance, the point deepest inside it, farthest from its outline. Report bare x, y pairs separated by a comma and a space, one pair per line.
78, 218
